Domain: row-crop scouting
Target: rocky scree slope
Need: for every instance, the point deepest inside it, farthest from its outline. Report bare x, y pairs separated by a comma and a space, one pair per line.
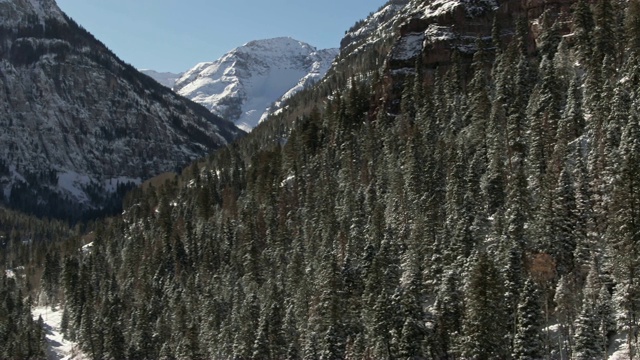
78, 124
252, 81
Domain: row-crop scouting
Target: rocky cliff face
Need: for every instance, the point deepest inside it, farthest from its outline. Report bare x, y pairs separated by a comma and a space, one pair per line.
251, 81
434, 29
377, 26
77, 123
405, 31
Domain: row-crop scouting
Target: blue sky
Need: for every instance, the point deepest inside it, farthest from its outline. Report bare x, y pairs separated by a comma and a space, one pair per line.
174, 35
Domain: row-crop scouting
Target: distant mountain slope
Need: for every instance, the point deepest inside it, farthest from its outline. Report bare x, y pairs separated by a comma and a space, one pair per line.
77, 123
167, 79
243, 85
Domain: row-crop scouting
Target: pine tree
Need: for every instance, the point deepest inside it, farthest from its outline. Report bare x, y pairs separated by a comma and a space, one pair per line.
544, 113
522, 86
584, 212
550, 37
572, 122
248, 316
51, 276
291, 334
605, 316
528, 340
484, 322
564, 220
632, 28
583, 27
449, 314
604, 34
625, 238
408, 298
586, 340
567, 303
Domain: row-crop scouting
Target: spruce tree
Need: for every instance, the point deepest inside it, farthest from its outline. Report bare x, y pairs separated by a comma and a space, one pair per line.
564, 222
604, 34
528, 340
483, 326
584, 26
449, 315
626, 237
586, 339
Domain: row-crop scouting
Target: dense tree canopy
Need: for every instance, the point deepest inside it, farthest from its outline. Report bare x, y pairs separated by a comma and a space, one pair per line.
495, 214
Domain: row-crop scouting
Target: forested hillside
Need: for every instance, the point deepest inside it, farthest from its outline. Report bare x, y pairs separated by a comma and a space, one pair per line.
491, 212
25, 245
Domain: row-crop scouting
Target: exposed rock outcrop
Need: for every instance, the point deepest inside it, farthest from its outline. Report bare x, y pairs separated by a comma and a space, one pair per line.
431, 31
446, 26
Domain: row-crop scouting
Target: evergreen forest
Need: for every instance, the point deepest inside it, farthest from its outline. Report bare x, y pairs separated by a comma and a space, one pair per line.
485, 209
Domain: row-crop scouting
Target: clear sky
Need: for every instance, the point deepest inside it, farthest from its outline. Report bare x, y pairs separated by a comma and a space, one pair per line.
174, 35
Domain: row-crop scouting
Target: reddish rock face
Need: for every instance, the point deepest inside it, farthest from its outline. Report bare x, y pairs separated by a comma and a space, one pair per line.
465, 28
449, 28
453, 26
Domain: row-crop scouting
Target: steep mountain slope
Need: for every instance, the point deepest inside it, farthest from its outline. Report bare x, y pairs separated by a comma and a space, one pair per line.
78, 124
167, 79
248, 82
377, 26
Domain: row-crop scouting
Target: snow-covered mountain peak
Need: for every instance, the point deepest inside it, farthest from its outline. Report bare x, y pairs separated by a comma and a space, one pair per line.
276, 46
246, 83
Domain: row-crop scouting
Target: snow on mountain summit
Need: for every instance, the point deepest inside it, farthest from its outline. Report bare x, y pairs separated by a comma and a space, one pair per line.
244, 84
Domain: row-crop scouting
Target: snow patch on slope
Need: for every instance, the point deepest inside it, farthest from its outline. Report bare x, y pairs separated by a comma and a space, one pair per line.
88, 248
45, 9
380, 24
74, 183
409, 46
472, 8
439, 33
58, 348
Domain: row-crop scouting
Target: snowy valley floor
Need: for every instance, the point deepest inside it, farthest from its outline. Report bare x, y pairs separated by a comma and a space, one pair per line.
60, 349
57, 347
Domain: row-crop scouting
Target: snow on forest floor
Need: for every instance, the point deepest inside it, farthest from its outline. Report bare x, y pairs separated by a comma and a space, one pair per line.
619, 349
58, 348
